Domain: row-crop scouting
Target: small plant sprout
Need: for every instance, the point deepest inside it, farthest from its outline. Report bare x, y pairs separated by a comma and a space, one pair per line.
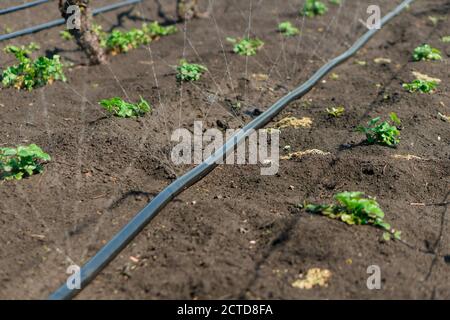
443, 117
314, 8
154, 29
336, 112
394, 117
189, 71
426, 52
355, 209
246, 46
446, 39
287, 29
66, 35
334, 76
122, 109
30, 73
381, 133
422, 86
335, 2
23, 161
123, 41
236, 106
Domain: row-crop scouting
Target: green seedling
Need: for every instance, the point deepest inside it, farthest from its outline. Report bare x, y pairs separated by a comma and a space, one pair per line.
335, 2
381, 133
314, 8
236, 106
335, 112
65, 35
435, 20
426, 52
394, 117
334, 76
422, 86
189, 71
122, 109
154, 29
446, 39
20, 162
355, 209
123, 41
287, 29
246, 46
30, 73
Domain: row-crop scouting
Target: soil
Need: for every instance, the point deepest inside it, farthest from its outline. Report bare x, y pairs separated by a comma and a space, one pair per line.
235, 234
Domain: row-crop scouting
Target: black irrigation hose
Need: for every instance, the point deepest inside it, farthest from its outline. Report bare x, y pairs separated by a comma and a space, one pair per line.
61, 21
22, 6
127, 234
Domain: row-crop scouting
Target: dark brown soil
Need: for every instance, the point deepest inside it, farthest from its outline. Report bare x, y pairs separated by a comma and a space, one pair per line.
235, 234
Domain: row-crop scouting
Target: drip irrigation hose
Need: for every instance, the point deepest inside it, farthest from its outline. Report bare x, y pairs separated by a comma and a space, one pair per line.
61, 21
22, 6
109, 251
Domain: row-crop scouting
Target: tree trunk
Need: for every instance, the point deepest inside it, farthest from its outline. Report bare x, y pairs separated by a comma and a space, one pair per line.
188, 9
85, 37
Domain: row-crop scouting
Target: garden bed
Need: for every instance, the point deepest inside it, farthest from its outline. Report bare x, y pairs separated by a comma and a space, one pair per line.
235, 234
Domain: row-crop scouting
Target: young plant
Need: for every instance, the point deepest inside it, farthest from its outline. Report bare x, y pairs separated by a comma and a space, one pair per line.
189, 71
420, 85
66, 35
335, 112
123, 41
287, 29
426, 52
23, 161
314, 8
381, 133
246, 46
446, 39
394, 117
30, 73
354, 209
154, 29
122, 109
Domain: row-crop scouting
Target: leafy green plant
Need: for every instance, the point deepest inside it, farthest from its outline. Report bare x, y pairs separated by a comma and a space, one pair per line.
23, 161
314, 8
381, 133
154, 29
189, 71
287, 29
123, 41
354, 209
446, 39
246, 46
394, 117
66, 35
420, 85
426, 52
335, 112
123, 109
30, 73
